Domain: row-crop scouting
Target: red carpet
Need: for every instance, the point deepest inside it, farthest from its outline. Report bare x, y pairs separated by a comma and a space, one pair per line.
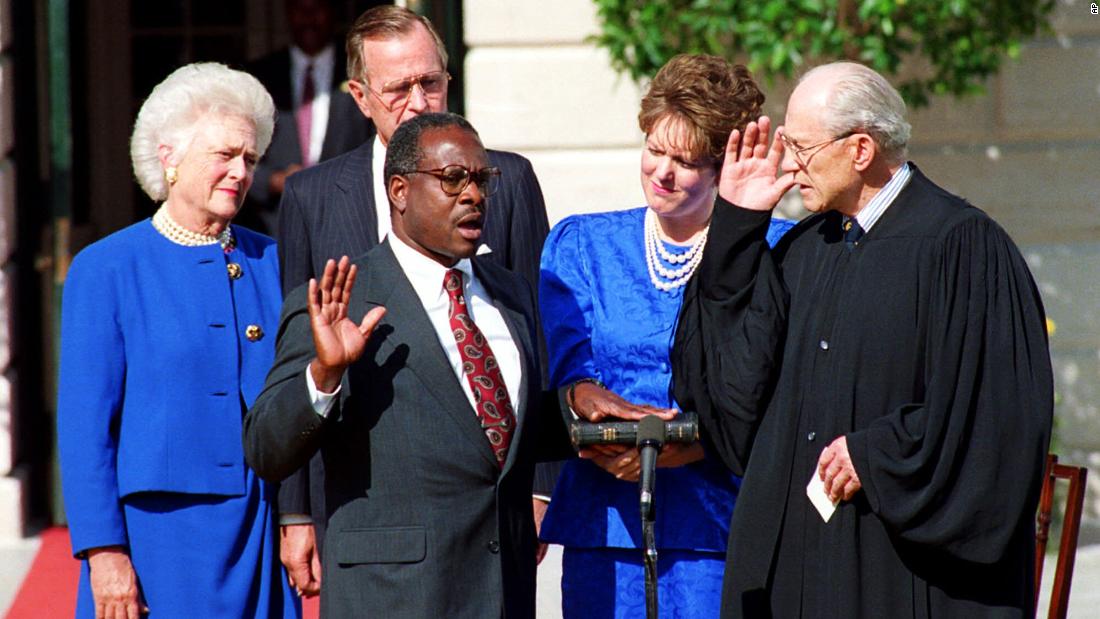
49, 588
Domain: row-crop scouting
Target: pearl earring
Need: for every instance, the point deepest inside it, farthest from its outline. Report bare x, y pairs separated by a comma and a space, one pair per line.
171, 175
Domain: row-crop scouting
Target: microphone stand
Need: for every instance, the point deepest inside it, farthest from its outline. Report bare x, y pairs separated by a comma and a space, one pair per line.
651, 437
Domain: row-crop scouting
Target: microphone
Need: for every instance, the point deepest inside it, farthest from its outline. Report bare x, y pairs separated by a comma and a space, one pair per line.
651, 437
683, 429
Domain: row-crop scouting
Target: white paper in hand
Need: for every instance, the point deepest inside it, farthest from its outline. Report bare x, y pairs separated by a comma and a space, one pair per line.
816, 491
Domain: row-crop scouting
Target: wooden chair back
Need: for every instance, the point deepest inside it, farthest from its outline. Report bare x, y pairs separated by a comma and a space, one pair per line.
1071, 525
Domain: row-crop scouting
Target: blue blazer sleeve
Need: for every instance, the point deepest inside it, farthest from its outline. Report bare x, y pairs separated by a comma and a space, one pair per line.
565, 301
90, 388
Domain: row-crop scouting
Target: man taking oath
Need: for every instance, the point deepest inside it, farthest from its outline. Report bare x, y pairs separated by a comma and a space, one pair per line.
397, 70
414, 371
888, 358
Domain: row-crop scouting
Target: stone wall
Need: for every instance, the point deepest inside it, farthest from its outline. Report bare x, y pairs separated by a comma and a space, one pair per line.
1026, 152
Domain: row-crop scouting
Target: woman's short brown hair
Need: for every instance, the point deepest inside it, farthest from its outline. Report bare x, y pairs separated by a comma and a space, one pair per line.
708, 96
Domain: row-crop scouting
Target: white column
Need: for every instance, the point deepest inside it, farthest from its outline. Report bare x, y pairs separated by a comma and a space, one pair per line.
12, 481
533, 85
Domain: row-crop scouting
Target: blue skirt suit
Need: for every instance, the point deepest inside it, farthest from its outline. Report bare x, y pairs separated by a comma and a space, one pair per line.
162, 350
604, 318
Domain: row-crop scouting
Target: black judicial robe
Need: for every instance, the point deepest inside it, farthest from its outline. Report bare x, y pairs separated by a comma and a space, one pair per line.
926, 346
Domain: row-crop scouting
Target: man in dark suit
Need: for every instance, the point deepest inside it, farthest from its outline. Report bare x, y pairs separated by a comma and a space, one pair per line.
318, 118
398, 71
415, 371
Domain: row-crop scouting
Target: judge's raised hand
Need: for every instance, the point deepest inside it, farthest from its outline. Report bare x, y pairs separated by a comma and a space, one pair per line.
595, 403
748, 176
338, 340
837, 471
114, 584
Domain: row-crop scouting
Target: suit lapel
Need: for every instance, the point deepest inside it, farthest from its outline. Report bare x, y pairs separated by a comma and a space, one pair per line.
388, 286
356, 185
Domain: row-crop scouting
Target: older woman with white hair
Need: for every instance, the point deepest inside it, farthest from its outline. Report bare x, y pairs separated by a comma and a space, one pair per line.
167, 334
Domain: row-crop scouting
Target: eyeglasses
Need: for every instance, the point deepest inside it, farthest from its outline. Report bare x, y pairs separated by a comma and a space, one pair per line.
454, 178
799, 151
395, 93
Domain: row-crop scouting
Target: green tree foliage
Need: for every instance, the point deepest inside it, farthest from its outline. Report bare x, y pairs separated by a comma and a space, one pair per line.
958, 42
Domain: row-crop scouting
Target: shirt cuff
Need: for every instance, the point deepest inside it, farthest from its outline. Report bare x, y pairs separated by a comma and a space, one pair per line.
291, 519
321, 401
542, 497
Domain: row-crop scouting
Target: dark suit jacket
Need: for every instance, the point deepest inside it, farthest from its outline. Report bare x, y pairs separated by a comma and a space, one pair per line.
329, 211
347, 128
421, 521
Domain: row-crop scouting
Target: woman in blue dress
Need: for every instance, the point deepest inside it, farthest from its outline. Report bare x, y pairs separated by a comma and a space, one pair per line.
167, 332
611, 287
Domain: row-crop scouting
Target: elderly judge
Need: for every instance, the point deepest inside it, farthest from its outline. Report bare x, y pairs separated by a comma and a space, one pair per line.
897, 342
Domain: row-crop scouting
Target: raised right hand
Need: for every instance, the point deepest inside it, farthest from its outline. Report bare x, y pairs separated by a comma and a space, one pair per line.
337, 339
298, 552
595, 403
114, 584
748, 176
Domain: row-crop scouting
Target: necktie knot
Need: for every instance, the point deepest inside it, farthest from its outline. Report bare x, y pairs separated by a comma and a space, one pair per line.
852, 231
452, 282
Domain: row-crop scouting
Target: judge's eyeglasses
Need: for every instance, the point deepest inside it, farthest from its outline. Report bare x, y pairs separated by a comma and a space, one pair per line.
800, 151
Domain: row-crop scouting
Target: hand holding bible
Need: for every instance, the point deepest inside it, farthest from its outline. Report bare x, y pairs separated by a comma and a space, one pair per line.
595, 403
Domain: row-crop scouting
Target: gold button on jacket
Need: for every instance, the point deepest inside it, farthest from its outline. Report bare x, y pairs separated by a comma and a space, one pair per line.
235, 270
254, 333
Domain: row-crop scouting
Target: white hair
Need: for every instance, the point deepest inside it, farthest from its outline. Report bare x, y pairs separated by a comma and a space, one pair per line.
168, 117
860, 99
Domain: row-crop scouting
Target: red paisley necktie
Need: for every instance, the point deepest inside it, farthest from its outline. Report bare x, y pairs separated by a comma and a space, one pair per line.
494, 408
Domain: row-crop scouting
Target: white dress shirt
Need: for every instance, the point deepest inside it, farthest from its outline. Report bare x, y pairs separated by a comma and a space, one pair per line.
877, 205
323, 66
426, 277
381, 197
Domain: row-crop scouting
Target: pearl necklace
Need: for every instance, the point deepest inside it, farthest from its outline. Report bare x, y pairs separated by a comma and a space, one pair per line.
664, 278
179, 235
